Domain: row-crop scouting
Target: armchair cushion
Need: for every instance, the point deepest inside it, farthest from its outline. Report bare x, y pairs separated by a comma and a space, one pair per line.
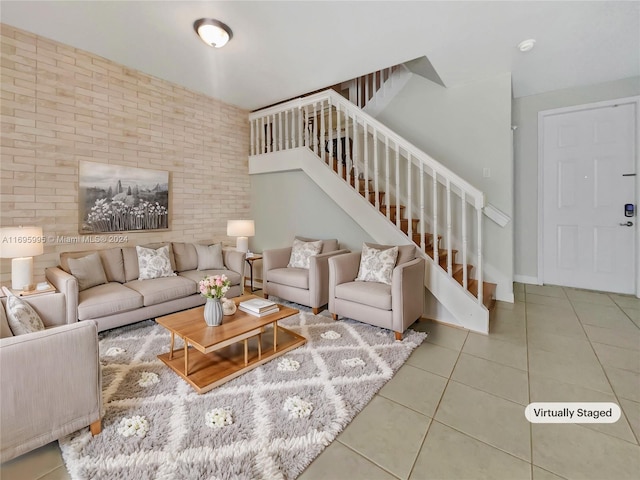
302, 251
293, 277
375, 294
22, 317
210, 257
88, 270
376, 265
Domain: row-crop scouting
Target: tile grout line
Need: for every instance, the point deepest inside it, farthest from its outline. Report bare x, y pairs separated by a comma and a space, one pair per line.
526, 343
604, 371
367, 459
435, 411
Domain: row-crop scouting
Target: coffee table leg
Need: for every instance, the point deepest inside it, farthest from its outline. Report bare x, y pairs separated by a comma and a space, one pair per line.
260, 346
275, 336
186, 358
171, 348
246, 352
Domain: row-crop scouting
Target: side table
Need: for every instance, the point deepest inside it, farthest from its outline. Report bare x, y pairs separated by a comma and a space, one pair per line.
250, 261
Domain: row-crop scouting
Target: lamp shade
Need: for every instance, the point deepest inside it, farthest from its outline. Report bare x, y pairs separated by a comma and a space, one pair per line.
17, 242
241, 228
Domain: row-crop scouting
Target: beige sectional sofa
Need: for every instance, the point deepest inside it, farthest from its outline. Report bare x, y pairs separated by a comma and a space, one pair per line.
125, 299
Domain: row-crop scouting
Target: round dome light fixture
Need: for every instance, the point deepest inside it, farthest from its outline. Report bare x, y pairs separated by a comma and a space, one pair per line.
526, 45
212, 32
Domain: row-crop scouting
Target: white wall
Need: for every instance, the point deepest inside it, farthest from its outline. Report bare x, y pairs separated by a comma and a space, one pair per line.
288, 204
467, 128
525, 117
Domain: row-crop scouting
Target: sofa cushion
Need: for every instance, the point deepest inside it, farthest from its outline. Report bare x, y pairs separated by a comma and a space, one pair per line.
210, 257
5, 329
197, 275
130, 257
22, 318
112, 262
375, 294
406, 253
185, 256
107, 299
165, 289
154, 263
88, 271
377, 265
293, 277
302, 251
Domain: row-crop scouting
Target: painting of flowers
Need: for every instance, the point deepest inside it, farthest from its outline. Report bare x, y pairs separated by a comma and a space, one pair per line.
117, 198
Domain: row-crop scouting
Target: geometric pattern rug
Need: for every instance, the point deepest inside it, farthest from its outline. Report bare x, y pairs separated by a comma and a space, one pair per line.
269, 423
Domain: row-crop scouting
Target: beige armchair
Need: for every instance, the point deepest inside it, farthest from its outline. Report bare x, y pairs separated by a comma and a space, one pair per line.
308, 287
394, 306
51, 382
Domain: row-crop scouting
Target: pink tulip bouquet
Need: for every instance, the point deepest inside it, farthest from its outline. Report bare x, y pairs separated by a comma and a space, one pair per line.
214, 286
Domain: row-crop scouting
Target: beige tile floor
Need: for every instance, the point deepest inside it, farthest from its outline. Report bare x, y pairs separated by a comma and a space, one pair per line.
455, 410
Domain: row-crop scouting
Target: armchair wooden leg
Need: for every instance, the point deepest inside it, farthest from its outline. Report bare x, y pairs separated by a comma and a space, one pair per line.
316, 310
265, 295
334, 316
96, 427
398, 335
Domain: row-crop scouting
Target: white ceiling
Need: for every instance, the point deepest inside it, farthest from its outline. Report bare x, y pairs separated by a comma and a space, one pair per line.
283, 49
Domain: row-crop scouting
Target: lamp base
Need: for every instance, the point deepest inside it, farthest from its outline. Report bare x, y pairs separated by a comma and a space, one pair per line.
21, 273
242, 244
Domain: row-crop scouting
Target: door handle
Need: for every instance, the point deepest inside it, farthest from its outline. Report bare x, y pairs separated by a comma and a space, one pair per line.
627, 224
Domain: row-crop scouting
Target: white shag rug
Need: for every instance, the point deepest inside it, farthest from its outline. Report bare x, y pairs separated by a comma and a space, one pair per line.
269, 423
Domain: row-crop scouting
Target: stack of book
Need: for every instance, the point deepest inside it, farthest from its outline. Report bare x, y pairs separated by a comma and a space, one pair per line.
258, 307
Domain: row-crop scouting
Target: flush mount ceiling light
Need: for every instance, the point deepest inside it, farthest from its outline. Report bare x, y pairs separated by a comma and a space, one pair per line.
526, 45
212, 32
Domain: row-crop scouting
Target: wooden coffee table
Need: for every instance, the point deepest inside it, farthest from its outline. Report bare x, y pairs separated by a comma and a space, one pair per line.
214, 355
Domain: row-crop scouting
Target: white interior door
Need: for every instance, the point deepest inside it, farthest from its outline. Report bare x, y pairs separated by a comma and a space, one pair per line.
588, 166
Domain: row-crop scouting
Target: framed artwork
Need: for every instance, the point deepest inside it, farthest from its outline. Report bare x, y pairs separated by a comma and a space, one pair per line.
118, 198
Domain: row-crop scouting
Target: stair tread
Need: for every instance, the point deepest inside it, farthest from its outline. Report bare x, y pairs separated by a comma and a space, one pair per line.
488, 292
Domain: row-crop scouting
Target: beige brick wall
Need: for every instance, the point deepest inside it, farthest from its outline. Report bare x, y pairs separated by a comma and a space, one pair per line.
61, 105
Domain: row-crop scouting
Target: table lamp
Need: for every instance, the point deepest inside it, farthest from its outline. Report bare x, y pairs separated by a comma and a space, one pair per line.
241, 229
21, 244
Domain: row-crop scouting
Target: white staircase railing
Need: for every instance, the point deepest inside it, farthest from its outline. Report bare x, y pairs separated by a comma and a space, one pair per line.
439, 206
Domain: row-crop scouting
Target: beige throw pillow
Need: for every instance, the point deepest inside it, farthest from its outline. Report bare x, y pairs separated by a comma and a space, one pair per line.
154, 263
301, 252
22, 317
210, 257
88, 271
377, 265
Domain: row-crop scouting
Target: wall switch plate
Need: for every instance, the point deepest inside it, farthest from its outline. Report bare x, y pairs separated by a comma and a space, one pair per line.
486, 172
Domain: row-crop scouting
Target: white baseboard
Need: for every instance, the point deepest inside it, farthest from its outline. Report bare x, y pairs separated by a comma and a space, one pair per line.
526, 279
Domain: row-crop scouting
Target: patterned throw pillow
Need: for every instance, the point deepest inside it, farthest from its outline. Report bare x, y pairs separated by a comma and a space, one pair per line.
301, 252
22, 317
377, 265
154, 263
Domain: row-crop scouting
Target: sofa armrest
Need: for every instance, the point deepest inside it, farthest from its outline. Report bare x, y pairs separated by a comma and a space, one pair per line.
234, 260
51, 386
319, 277
342, 269
68, 285
407, 293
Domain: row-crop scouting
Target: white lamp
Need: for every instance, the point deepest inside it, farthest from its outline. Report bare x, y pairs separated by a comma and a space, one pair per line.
241, 229
21, 244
